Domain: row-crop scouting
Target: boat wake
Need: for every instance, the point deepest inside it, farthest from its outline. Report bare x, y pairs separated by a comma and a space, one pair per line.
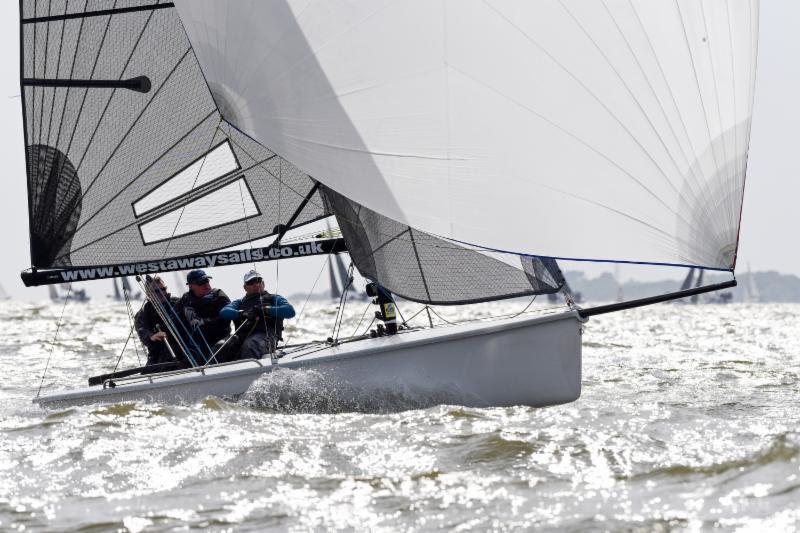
314, 391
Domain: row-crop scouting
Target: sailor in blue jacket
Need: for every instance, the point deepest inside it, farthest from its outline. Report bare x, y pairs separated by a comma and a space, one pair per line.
264, 313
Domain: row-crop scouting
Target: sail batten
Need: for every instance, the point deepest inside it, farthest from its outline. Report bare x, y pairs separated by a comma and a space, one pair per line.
465, 119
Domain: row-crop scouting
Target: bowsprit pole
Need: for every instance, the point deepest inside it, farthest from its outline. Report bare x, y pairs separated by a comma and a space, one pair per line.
621, 306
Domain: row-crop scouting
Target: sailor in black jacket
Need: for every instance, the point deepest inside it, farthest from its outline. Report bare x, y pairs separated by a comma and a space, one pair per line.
151, 328
200, 306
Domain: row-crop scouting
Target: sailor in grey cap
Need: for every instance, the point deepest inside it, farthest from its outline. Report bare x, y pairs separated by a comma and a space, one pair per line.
266, 312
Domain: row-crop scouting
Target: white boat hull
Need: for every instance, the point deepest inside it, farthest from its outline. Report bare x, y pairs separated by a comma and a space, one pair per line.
522, 361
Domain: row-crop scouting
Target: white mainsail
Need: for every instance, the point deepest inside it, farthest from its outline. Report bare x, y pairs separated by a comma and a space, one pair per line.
609, 130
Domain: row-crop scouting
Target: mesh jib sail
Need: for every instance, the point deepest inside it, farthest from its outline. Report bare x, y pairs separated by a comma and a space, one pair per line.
128, 156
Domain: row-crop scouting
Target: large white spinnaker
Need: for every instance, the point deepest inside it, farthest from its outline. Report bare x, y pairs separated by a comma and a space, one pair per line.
605, 130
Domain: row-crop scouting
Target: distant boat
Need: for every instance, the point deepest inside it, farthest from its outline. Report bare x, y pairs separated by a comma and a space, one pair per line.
65, 291
3, 294
123, 286
752, 293
722, 297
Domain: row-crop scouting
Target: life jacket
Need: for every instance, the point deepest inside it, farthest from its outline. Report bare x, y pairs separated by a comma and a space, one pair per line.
208, 306
272, 326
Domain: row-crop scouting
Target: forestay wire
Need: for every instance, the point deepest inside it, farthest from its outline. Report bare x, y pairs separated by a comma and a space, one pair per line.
55, 336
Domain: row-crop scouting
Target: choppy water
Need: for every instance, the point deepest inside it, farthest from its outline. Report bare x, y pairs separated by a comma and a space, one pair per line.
688, 421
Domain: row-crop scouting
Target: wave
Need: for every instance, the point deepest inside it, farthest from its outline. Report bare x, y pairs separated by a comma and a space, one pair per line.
781, 450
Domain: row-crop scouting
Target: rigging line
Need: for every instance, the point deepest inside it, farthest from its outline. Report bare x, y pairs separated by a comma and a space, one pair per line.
160, 309
196, 177
132, 320
250, 243
122, 352
339, 311
114, 92
297, 322
419, 263
342, 304
281, 160
142, 173
280, 236
135, 122
630, 93
405, 322
55, 336
360, 320
85, 94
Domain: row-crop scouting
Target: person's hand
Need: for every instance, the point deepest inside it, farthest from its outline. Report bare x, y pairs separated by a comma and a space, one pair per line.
250, 314
196, 323
159, 336
267, 310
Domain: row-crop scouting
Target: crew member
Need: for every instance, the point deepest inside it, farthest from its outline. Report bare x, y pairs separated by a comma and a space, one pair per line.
264, 313
200, 306
151, 328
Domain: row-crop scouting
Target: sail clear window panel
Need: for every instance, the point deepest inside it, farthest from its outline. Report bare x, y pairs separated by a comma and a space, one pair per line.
218, 163
590, 130
226, 205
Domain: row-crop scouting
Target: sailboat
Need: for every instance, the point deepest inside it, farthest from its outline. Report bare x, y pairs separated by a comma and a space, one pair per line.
463, 149
3, 294
66, 292
123, 290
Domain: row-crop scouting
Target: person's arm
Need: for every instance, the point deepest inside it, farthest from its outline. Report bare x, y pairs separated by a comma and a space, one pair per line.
230, 311
221, 302
280, 308
143, 328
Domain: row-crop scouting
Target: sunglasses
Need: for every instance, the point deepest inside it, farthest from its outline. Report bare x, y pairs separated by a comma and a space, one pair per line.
254, 281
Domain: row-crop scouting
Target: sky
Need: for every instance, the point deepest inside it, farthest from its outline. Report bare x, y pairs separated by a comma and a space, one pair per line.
770, 218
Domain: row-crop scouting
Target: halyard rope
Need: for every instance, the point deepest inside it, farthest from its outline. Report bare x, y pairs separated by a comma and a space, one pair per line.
55, 336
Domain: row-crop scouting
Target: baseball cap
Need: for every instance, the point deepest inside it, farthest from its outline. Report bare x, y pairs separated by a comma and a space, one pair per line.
196, 276
252, 275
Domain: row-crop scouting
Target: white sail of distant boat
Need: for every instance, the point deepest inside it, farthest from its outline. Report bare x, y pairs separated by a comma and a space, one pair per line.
751, 289
3, 294
462, 147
